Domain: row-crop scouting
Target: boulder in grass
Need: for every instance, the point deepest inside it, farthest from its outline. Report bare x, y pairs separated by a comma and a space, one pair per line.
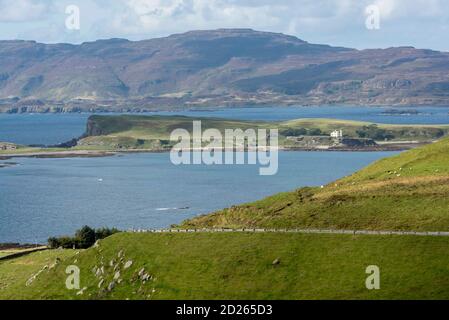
111, 286
81, 292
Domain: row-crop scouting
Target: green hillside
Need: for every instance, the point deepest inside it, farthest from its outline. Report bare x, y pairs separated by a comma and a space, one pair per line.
407, 192
238, 266
153, 132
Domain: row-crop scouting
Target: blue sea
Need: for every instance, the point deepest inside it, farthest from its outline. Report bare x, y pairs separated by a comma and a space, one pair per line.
40, 198
49, 129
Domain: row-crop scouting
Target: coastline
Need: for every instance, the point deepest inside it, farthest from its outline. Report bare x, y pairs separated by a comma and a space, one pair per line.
57, 154
107, 153
120, 106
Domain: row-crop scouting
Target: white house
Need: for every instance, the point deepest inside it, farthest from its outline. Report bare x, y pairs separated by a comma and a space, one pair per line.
7, 146
337, 134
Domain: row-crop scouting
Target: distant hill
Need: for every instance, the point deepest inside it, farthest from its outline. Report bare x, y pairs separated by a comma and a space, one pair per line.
218, 67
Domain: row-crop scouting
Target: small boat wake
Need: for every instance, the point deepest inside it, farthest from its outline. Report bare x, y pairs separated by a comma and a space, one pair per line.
168, 209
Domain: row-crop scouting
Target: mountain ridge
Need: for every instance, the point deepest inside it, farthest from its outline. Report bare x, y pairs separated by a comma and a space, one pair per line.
223, 67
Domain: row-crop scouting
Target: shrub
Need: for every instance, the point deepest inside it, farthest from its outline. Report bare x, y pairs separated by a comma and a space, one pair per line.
85, 236
375, 133
104, 232
83, 239
290, 132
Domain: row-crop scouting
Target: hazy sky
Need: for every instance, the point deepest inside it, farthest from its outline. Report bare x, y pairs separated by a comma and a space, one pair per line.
419, 23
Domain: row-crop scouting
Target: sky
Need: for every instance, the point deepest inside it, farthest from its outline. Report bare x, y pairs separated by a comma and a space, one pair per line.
350, 23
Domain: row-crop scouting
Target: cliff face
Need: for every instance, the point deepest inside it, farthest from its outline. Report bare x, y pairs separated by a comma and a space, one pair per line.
220, 67
93, 128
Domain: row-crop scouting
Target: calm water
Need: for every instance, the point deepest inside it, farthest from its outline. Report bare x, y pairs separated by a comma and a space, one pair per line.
50, 129
46, 197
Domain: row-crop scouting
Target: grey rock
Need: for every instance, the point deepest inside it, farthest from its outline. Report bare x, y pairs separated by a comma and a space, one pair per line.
81, 292
111, 286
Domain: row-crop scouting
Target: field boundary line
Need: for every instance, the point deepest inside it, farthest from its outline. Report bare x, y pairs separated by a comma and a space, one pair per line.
303, 231
22, 253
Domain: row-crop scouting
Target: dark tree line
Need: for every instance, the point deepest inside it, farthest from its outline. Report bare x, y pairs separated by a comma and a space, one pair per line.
291, 132
83, 239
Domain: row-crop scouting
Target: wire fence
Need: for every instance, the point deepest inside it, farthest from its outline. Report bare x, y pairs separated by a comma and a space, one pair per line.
304, 231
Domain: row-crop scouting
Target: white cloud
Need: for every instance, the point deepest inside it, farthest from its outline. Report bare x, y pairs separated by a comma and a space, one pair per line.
177, 15
340, 22
22, 10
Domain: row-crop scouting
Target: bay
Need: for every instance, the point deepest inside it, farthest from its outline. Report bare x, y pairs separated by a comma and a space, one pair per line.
40, 198
50, 129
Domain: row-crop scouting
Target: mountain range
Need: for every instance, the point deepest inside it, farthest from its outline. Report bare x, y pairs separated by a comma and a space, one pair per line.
225, 67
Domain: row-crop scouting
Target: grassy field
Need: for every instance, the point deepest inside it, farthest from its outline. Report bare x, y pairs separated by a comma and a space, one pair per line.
160, 127
240, 266
409, 191
14, 273
20, 149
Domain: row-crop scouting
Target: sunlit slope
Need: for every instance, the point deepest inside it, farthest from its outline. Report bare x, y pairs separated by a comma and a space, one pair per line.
237, 266
409, 191
431, 161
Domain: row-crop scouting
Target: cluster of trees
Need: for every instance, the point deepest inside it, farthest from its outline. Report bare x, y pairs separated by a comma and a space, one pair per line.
291, 132
375, 133
83, 239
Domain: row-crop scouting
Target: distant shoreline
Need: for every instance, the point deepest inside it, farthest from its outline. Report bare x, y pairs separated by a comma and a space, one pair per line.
99, 154
50, 109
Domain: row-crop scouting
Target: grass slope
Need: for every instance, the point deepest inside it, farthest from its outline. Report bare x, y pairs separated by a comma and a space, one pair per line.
14, 273
409, 191
240, 266
406, 192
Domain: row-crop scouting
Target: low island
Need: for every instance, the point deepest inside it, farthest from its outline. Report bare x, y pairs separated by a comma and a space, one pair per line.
109, 134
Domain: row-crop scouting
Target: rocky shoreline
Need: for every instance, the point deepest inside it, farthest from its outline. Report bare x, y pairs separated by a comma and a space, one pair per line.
137, 106
97, 154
